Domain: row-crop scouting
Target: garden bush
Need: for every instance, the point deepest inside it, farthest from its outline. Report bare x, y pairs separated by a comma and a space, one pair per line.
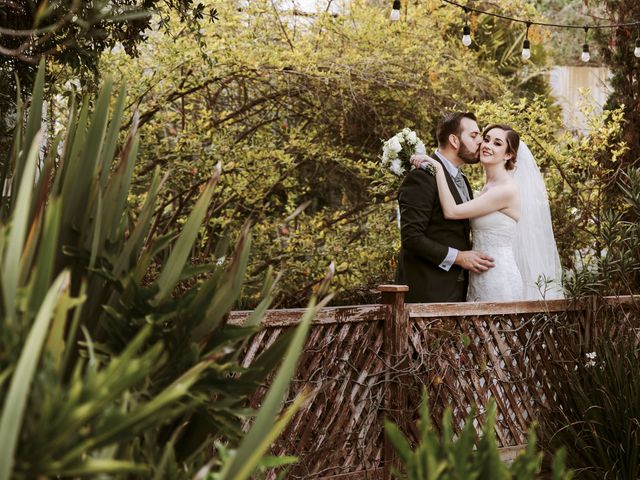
446, 456
295, 109
596, 409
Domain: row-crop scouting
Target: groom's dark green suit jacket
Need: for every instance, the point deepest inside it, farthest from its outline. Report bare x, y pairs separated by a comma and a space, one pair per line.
426, 237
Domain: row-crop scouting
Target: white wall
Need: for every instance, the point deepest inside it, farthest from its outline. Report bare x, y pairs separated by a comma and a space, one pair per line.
566, 85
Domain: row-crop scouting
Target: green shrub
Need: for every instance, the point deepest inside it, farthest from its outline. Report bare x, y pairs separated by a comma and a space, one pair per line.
296, 114
446, 456
596, 409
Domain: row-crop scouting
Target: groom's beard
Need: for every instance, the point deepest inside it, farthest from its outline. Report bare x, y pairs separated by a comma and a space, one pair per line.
468, 156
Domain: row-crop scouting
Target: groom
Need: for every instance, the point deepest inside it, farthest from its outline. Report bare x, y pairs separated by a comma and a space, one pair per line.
436, 254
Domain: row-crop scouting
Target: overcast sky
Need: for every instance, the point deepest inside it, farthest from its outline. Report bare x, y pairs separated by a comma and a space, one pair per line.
307, 5
311, 5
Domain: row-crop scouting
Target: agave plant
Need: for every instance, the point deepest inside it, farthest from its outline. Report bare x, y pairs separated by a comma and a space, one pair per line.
102, 370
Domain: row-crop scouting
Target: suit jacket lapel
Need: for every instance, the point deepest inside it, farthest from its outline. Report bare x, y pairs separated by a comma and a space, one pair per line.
455, 193
450, 182
468, 186
467, 224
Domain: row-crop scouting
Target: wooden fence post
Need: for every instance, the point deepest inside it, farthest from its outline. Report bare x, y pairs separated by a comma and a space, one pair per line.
396, 343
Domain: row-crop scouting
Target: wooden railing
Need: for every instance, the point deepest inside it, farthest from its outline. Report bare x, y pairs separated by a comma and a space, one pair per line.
365, 363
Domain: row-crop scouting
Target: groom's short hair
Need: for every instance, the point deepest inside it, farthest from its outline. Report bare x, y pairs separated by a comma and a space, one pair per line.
450, 124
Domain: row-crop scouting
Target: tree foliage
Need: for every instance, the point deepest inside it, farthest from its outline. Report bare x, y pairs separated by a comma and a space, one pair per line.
73, 34
296, 108
617, 47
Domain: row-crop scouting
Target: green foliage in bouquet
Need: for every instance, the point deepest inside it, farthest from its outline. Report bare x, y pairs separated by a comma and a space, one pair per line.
104, 369
447, 456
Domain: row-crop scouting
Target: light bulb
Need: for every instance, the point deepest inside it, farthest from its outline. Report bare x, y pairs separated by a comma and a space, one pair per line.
395, 13
636, 52
585, 57
466, 36
526, 50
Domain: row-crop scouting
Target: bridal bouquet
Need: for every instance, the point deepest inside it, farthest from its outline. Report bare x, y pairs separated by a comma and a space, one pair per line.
397, 151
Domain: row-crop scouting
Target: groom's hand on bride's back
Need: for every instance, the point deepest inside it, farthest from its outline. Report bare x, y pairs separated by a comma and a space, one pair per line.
477, 262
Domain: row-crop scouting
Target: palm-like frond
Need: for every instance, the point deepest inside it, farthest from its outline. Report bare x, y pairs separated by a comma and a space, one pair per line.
100, 376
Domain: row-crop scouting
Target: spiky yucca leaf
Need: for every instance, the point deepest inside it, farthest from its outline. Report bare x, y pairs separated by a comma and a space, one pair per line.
130, 365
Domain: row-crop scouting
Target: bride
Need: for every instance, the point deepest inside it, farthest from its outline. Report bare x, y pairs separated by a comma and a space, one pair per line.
510, 221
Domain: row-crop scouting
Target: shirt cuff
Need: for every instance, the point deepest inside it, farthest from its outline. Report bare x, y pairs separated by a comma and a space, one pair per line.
449, 259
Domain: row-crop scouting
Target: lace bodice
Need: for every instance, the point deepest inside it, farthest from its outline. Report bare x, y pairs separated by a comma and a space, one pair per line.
493, 231
494, 234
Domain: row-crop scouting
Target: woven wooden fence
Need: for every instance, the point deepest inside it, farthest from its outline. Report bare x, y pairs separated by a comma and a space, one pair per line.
364, 363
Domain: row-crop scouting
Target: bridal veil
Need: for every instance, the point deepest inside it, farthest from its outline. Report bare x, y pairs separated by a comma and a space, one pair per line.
535, 246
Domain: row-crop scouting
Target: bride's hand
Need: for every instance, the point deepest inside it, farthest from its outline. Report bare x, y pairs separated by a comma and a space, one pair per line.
422, 160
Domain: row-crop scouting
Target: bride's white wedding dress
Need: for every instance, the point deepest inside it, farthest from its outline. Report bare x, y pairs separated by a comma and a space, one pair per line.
494, 234
527, 265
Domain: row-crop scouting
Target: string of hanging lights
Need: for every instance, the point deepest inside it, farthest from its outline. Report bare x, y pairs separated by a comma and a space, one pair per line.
526, 47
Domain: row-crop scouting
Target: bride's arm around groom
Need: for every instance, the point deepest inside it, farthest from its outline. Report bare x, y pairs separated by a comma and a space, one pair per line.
435, 255
427, 239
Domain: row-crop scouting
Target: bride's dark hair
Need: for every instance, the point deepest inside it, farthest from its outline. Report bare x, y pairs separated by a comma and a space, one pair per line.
513, 142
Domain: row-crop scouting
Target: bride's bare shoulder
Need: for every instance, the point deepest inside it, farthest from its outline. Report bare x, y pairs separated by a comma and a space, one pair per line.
507, 187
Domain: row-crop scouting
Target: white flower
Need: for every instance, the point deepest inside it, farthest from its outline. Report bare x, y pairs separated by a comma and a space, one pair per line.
221, 260
73, 84
388, 155
396, 167
394, 144
400, 146
591, 356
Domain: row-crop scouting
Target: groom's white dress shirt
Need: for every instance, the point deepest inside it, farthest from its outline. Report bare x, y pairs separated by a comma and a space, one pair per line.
453, 252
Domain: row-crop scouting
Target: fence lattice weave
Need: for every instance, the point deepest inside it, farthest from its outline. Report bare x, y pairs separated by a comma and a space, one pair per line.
363, 363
